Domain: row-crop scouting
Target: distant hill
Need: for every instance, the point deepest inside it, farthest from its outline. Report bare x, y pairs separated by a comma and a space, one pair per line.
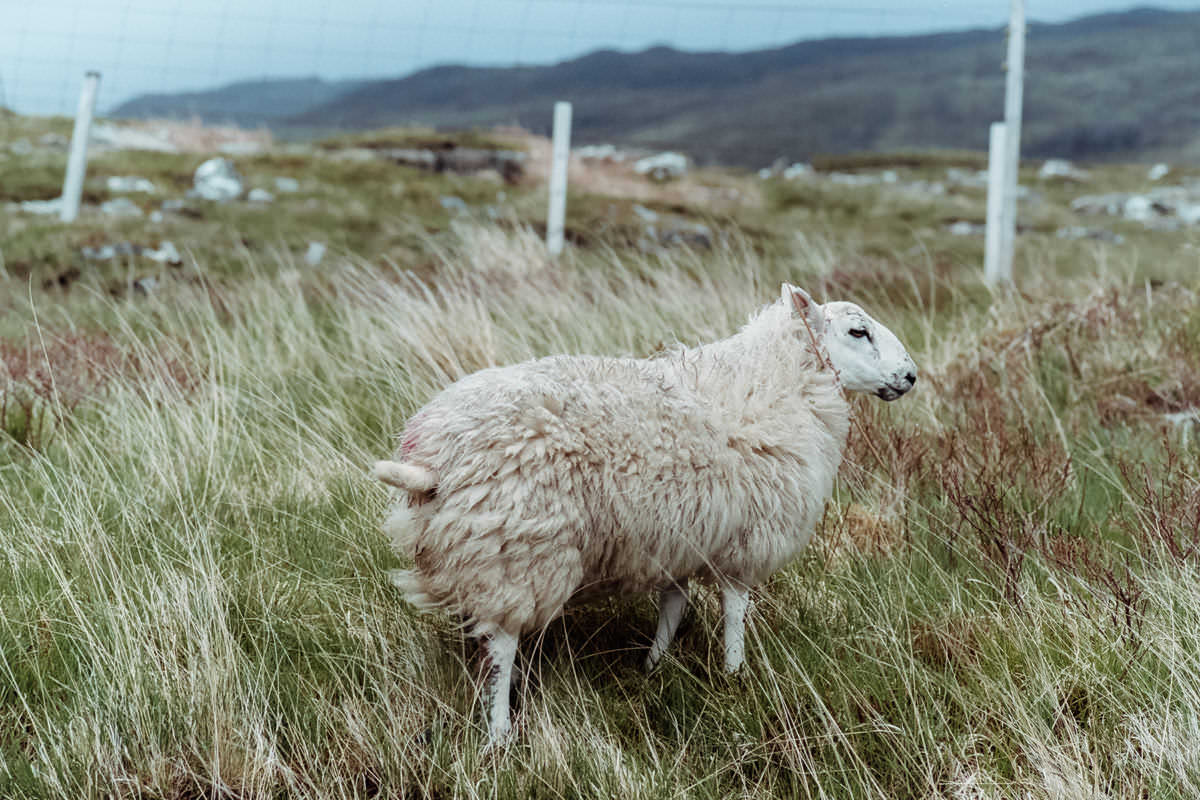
1111, 86
249, 103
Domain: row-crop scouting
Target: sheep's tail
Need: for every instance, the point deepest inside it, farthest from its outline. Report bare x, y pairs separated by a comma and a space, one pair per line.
409, 477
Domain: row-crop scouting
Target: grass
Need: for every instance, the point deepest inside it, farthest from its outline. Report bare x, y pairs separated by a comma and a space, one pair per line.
1001, 601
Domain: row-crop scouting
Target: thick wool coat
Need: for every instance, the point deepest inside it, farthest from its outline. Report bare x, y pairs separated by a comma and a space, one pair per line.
572, 475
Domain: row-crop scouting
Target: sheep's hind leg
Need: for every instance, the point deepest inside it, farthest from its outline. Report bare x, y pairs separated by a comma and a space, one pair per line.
672, 604
735, 602
502, 652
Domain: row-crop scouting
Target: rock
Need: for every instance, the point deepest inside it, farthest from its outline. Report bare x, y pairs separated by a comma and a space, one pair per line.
966, 228
600, 152
964, 177
454, 204
509, 164
1097, 234
166, 253
120, 207
130, 183
102, 253
1138, 208
21, 147
663, 166
853, 179
1061, 168
315, 253
287, 185
242, 147
798, 170
1188, 214
260, 196
1158, 172
42, 206
217, 180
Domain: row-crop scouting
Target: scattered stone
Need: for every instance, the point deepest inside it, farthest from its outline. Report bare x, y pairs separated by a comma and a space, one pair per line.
42, 206
173, 204
966, 228
287, 185
1188, 214
315, 253
663, 166
21, 147
798, 170
1075, 232
166, 253
1158, 172
218, 180
1138, 208
600, 152
120, 207
1061, 168
1110, 204
260, 197
454, 204
156, 216
130, 183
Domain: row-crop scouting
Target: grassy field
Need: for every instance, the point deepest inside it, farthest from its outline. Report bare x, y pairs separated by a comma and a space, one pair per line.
1002, 601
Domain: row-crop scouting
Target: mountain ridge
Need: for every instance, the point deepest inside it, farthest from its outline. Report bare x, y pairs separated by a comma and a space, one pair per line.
1094, 91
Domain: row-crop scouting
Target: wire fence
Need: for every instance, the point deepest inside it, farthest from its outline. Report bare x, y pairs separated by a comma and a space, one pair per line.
145, 47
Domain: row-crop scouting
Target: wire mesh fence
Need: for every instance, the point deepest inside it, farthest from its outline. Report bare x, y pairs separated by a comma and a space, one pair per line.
144, 48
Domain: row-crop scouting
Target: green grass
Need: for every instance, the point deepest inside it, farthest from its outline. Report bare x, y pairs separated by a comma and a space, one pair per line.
1000, 601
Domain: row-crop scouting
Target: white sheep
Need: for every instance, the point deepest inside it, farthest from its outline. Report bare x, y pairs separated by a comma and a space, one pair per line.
529, 485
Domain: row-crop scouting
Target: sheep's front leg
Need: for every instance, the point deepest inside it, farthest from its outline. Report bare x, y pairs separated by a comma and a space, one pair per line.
735, 602
502, 652
672, 604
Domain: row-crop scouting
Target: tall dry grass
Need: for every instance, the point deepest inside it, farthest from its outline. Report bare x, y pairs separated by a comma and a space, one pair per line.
1001, 602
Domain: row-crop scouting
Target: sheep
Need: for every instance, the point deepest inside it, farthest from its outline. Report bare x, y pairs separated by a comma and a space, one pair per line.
527, 486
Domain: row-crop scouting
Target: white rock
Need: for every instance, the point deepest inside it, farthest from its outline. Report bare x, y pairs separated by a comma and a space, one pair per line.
798, 170
130, 183
261, 196
217, 179
1189, 214
966, 228
600, 152
166, 253
315, 253
42, 206
287, 185
1061, 168
106, 134
1139, 208
120, 207
662, 166
1158, 172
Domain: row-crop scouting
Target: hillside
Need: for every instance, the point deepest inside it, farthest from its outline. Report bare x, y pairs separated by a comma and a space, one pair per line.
1096, 90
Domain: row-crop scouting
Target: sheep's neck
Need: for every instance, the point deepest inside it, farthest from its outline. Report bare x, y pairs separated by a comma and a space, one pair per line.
768, 381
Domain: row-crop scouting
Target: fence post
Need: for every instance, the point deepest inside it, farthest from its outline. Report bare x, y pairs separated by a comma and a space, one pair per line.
997, 154
1013, 96
77, 160
558, 178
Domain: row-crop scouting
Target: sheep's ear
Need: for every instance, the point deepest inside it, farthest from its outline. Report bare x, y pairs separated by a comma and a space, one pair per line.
803, 304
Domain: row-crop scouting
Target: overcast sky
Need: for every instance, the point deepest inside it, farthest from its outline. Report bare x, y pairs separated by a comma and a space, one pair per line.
171, 45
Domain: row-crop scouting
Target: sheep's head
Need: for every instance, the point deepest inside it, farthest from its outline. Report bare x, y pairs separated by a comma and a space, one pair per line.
867, 356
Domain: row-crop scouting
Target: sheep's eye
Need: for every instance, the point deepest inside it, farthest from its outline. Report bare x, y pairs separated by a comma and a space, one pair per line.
860, 333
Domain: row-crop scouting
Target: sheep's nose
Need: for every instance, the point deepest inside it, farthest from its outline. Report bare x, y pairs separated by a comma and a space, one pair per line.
911, 378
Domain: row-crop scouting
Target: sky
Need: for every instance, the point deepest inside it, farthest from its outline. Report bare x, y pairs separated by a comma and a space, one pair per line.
142, 46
